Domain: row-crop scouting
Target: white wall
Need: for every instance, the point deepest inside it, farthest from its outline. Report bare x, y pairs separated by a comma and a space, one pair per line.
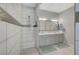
67, 18
48, 15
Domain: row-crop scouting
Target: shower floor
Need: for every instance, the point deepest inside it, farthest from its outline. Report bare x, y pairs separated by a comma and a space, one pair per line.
57, 49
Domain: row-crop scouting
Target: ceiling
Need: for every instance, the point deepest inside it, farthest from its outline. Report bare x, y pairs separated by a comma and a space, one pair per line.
29, 4
55, 7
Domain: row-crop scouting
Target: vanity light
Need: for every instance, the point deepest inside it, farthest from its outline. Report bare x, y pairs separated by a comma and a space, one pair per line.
54, 20
42, 19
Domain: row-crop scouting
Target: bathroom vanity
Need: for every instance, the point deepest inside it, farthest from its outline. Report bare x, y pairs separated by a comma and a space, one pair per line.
50, 37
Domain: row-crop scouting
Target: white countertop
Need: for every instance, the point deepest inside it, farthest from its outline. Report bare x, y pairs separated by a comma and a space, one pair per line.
50, 32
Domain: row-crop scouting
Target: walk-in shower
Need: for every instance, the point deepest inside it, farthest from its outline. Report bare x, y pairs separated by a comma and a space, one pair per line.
36, 29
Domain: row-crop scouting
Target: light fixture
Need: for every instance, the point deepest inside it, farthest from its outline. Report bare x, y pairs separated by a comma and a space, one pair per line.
42, 19
54, 20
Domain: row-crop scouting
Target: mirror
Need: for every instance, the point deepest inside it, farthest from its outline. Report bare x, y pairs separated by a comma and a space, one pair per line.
48, 25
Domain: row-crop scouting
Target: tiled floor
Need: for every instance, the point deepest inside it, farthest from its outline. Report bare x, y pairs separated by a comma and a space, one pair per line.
29, 51
58, 49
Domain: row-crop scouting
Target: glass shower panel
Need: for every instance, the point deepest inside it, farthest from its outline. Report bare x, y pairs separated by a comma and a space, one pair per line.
29, 31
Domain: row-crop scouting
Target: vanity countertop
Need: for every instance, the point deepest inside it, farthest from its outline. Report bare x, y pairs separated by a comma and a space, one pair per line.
50, 32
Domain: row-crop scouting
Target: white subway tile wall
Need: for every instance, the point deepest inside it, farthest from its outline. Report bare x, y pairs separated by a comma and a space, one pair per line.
11, 37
